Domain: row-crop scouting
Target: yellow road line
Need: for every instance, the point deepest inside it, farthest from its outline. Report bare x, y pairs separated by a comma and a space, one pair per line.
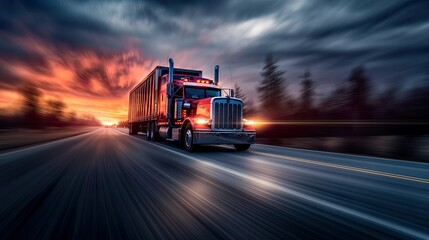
355, 169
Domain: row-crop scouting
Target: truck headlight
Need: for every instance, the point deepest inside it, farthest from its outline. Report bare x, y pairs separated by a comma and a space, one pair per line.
202, 121
248, 123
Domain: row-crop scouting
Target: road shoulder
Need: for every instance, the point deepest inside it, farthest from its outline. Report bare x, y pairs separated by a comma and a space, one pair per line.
14, 139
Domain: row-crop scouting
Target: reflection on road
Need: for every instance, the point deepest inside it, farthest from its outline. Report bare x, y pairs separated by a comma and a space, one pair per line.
106, 184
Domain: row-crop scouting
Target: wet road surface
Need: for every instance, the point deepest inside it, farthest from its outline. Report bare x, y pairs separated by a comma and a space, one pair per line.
106, 184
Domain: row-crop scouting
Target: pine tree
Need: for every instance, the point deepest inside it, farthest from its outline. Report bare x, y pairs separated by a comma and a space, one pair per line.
32, 115
56, 110
359, 93
307, 92
239, 94
272, 89
334, 105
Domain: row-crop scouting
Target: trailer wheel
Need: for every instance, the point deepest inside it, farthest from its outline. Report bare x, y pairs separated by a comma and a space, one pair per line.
188, 139
241, 147
149, 131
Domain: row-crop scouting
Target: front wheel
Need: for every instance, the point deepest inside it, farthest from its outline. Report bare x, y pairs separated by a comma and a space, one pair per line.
188, 139
241, 147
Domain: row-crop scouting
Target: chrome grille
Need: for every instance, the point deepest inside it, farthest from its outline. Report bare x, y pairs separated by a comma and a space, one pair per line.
227, 115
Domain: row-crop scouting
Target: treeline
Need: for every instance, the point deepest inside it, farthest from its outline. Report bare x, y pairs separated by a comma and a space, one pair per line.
35, 112
122, 123
355, 98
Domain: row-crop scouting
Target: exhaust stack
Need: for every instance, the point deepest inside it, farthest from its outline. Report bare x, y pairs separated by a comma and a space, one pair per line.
170, 70
170, 89
216, 74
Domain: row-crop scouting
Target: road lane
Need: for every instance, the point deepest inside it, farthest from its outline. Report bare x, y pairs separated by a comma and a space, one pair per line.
344, 167
106, 184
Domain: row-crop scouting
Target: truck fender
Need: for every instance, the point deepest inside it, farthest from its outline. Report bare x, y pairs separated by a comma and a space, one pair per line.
184, 124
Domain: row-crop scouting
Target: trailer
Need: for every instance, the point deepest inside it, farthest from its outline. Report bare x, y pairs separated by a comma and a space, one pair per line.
180, 105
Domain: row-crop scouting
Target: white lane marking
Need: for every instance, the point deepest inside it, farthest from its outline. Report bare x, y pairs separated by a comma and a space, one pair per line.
344, 167
42, 145
367, 158
373, 219
338, 166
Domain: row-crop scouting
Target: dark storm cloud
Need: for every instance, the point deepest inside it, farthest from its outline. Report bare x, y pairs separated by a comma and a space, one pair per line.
23, 57
180, 25
98, 72
9, 80
335, 36
61, 30
395, 15
346, 34
56, 24
220, 9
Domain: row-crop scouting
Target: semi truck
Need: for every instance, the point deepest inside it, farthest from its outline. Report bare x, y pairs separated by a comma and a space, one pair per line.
180, 105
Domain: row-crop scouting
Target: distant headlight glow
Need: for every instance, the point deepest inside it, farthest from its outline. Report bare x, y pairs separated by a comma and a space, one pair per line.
248, 122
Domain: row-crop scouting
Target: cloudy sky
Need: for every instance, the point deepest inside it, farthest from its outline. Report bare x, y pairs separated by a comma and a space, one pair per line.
91, 53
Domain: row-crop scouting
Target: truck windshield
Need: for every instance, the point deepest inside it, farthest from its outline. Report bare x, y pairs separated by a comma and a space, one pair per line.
195, 93
212, 93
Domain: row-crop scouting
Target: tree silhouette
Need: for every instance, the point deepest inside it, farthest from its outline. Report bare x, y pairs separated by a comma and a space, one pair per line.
307, 93
272, 89
359, 93
123, 123
31, 105
239, 94
72, 117
414, 105
386, 104
56, 111
335, 105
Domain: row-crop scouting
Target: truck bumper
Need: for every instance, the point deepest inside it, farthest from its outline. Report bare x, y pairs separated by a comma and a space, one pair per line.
204, 137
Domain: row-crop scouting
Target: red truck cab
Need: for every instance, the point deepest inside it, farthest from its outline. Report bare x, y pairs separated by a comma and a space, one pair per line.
190, 109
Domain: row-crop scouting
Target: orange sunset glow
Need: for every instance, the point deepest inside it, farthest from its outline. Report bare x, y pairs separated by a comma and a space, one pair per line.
87, 83
88, 55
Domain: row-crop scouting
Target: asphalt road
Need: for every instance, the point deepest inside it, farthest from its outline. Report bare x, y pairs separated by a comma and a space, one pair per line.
106, 184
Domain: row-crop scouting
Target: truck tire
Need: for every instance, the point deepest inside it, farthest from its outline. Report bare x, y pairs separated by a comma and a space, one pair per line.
241, 147
132, 129
188, 139
148, 131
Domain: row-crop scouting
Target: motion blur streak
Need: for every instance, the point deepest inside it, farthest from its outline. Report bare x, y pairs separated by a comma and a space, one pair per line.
347, 168
108, 185
375, 220
308, 122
